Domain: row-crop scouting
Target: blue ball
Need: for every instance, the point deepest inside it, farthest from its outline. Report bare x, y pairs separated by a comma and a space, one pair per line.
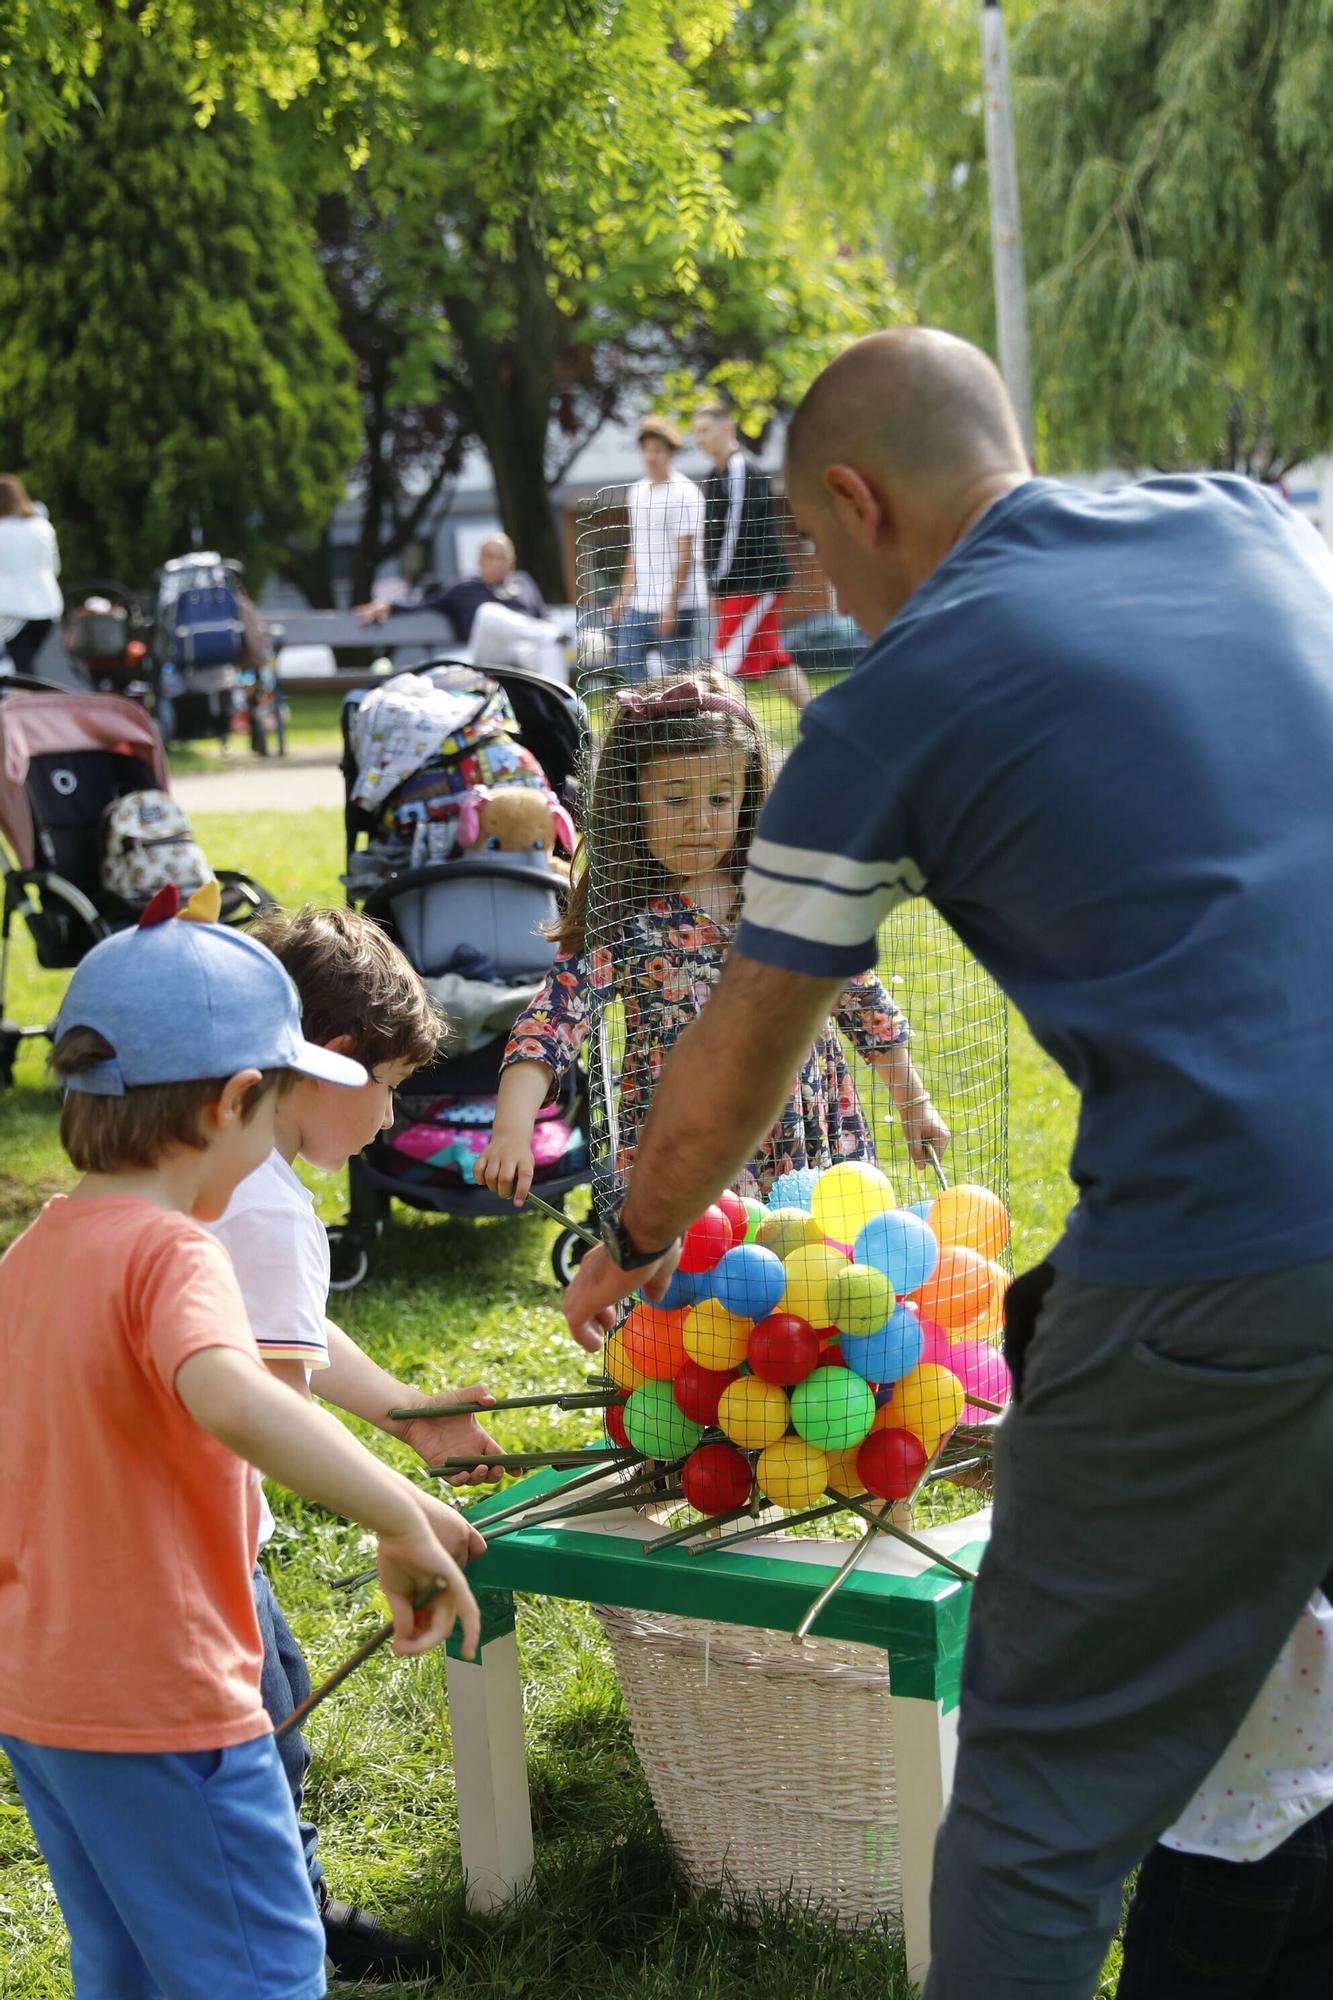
891, 1353
794, 1190
899, 1245
921, 1208
749, 1281
686, 1289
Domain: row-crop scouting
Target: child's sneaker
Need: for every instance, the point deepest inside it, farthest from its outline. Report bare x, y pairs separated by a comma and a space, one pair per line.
359, 1946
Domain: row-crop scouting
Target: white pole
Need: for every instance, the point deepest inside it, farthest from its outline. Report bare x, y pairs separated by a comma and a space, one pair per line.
1006, 225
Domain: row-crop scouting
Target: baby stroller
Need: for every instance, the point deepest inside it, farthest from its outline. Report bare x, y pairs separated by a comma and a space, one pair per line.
470, 919
64, 758
216, 666
109, 631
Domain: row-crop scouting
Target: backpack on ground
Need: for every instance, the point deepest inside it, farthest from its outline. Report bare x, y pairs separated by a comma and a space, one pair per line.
147, 841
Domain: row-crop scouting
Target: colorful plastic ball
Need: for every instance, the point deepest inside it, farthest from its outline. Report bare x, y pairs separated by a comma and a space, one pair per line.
618, 1365
860, 1300
749, 1281
937, 1344
716, 1479
653, 1341
846, 1196
615, 1426
794, 1189
784, 1349
890, 1462
707, 1241
755, 1212
832, 1408
699, 1391
786, 1229
842, 1475
686, 1288
920, 1208
810, 1271
833, 1356
753, 1413
928, 1402
714, 1337
655, 1426
972, 1217
960, 1290
733, 1208
901, 1247
983, 1371
890, 1353
792, 1473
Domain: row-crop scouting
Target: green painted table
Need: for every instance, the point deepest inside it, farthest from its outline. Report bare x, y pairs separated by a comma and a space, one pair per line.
896, 1600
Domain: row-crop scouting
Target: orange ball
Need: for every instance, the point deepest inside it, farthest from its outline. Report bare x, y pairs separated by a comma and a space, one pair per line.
653, 1341
959, 1291
970, 1218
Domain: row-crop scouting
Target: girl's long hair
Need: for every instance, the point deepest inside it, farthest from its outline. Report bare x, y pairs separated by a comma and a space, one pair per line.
613, 874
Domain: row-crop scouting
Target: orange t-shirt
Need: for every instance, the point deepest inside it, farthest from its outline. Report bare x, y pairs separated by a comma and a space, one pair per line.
127, 1532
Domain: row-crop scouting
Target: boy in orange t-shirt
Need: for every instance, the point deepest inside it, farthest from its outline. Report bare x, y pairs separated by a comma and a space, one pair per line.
129, 1647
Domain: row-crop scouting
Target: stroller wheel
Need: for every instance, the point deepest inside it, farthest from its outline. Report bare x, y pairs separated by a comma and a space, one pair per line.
567, 1253
349, 1260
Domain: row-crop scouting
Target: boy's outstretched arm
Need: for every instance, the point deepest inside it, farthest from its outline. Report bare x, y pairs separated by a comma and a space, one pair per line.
353, 1382
306, 1449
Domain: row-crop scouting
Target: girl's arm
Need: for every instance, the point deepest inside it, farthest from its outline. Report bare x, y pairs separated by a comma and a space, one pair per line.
506, 1166
879, 1031
543, 1045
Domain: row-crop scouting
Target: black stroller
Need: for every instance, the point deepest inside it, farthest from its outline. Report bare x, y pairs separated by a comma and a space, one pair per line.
477, 916
64, 758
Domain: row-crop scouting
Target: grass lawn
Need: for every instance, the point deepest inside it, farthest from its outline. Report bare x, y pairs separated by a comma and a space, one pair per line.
455, 1302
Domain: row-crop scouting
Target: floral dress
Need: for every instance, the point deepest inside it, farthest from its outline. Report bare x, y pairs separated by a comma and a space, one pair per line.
663, 967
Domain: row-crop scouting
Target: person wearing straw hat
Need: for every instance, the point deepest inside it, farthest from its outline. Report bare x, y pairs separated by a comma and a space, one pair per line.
1096, 731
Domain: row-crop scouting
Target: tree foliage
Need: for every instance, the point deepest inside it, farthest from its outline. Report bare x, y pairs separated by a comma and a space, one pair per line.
169, 363
1177, 191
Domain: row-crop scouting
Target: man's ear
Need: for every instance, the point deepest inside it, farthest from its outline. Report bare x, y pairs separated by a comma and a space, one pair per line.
860, 512
231, 1098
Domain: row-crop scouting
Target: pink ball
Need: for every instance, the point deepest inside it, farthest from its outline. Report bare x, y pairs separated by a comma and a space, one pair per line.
936, 1345
983, 1371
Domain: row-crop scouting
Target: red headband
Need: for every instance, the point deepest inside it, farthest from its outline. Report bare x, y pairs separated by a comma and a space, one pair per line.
682, 699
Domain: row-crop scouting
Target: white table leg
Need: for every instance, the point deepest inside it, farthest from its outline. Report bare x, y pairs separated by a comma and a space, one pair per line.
925, 1745
491, 1771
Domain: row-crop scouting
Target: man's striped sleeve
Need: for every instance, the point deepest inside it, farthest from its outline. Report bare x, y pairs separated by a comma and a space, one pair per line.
829, 862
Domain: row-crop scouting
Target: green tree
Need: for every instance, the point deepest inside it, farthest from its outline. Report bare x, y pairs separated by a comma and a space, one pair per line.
169, 361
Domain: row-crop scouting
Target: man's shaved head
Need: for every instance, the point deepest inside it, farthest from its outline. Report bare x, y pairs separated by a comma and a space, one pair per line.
897, 449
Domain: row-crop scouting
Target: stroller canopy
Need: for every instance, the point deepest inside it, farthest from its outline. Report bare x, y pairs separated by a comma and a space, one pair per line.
42, 725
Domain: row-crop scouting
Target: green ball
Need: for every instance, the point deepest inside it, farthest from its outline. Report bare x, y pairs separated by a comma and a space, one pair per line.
655, 1425
860, 1300
758, 1214
783, 1230
832, 1409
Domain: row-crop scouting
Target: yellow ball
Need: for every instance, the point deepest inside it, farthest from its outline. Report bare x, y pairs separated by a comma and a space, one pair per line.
786, 1229
928, 1402
971, 1217
846, 1196
810, 1271
841, 1473
753, 1413
623, 1372
792, 1473
714, 1337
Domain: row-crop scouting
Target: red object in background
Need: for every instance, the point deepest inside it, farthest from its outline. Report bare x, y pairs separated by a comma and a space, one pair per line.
699, 1390
716, 1478
784, 1349
890, 1463
832, 1357
707, 1242
615, 1427
737, 1214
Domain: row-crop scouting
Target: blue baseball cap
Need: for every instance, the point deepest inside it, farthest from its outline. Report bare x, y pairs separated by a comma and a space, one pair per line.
180, 1000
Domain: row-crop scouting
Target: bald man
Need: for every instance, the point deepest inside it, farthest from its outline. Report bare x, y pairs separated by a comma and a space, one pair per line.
1096, 731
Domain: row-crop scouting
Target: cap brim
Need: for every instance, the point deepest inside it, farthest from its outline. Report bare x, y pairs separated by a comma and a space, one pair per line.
328, 1066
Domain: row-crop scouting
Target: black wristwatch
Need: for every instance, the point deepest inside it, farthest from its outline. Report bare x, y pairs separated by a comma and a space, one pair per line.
621, 1247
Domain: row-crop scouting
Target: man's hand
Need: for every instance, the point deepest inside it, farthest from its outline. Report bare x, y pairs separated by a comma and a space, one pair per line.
600, 1284
436, 1438
374, 613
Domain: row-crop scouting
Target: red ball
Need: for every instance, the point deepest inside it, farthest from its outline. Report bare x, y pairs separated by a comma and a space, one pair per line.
699, 1390
890, 1463
784, 1349
832, 1356
615, 1426
707, 1241
737, 1214
716, 1478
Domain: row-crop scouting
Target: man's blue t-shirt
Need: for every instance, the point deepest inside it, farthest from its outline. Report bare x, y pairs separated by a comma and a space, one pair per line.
1100, 739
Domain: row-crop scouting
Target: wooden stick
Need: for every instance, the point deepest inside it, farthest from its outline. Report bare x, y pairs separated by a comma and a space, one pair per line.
834, 1585
589, 1236
696, 1529
524, 1461
350, 1665
921, 1548
573, 1399
762, 1528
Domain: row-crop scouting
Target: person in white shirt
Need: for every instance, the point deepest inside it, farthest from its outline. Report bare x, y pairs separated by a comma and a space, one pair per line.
662, 601
1236, 1900
30, 597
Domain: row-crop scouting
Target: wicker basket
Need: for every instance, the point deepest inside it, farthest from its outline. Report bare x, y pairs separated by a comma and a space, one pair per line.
771, 1767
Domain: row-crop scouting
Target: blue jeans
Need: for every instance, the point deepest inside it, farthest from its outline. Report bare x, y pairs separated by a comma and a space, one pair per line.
283, 1685
1204, 1929
638, 630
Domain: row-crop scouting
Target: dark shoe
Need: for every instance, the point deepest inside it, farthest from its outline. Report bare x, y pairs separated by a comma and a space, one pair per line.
359, 1946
